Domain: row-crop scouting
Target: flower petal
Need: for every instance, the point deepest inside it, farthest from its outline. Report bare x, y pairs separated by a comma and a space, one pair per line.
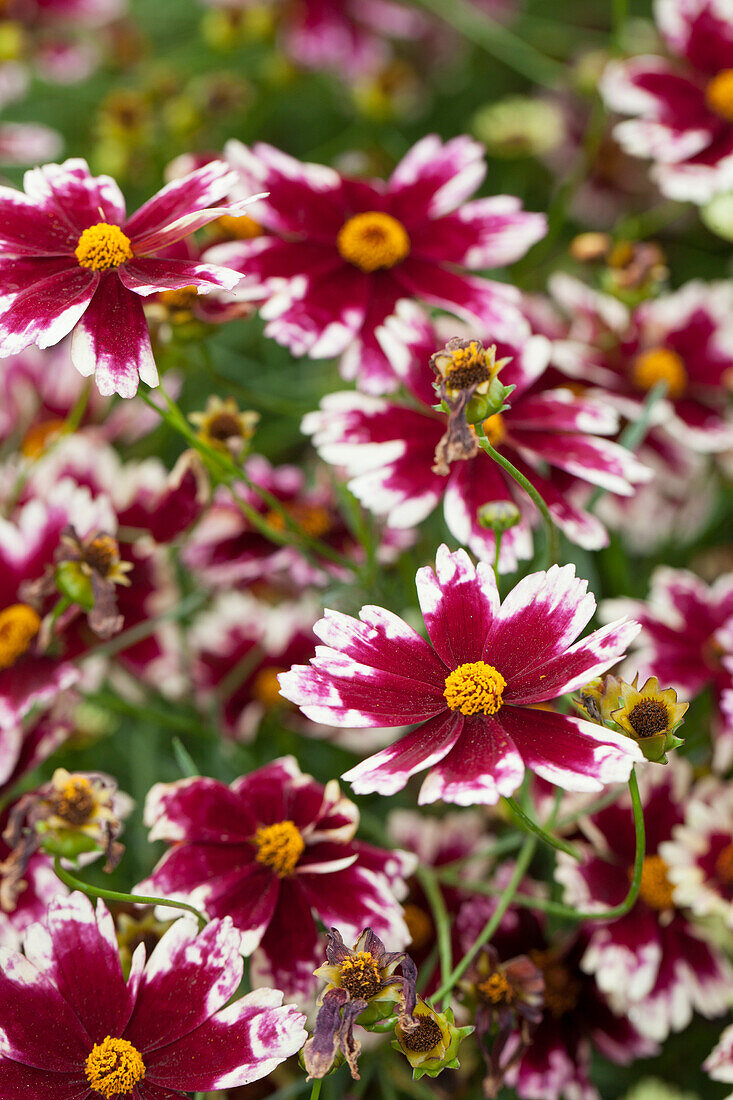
482, 766
199, 809
149, 276
388, 771
71, 193
112, 341
435, 177
289, 951
459, 603
46, 310
195, 191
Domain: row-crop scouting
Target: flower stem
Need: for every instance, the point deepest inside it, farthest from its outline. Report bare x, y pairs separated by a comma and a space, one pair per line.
115, 895
636, 431
499, 42
434, 894
553, 540
531, 826
316, 1090
497, 551
523, 861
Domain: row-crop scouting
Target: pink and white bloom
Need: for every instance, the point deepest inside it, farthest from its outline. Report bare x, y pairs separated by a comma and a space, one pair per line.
73, 1026
471, 695
699, 855
340, 253
387, 449
684, 338
274, 851
652, 964
686, 641
719, 1063
73, 260
683, 104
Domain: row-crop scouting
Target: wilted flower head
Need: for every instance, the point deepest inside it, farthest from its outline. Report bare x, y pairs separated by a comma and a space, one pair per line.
362, 981
432, 1045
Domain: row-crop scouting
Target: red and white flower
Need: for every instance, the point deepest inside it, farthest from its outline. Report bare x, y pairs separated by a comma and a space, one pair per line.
387, 448
684, 103
719, 1063
686, 641
684, 339
699, 856
340, 253
73, 260
652, 964
274, 851
472, 693
73, 1026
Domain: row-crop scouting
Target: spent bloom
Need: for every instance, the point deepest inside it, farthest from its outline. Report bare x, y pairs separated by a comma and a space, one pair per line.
340, 253
73, 260
471, 694
274, 851
74, 1027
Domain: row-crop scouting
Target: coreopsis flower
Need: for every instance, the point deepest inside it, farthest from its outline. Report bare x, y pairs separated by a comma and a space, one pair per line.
472, 693
163, 1032
432, 1045
699, 855
240, 632
388, 448
507, 1000
576, 1018
274, 851
226, 549
719, 1063
683, 104
652, 963
73, 260
684, 339
340, 253
650, 715
223, 426
685, 637
362, 986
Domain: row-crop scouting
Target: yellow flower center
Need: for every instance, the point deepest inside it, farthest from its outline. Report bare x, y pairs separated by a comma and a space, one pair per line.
420, 927
495, 989
469, 365
75, 801
19, 625
660, 365
103, 246
656, 889
495, 430
719, 94
266, 687
179, 300
313, 519
280, 846
114, 1067
360, 975
373, 240
243, 228
724, 865
474, 688
102, 554
37, 438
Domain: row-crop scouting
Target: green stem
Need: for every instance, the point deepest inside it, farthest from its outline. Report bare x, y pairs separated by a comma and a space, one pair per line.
498, 41
635, 432
497, 541
531, 826
115, 895
434, 894
523, 861
553, 540
316, 1090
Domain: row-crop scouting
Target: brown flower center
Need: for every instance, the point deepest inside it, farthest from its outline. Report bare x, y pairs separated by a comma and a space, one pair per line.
562, 988
280, 846
719, 94
103, 246
223, 426
474, 688
656, 889
75, 802
114, 1068
470, 366
424, 1037
495, 989
724, 865
660, 365
373, 241
19, 625
648, 717
360, 975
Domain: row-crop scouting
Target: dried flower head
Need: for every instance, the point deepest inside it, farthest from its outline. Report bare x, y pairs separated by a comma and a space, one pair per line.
432, 1045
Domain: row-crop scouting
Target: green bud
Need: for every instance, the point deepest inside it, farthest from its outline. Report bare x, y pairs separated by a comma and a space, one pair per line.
718, 216
498, 515
433, 1027
73, 583
68, 845
655, 748
482, 406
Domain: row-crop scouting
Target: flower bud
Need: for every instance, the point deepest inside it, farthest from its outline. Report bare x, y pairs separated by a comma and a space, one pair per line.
75, 584
498, 515
482, 406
